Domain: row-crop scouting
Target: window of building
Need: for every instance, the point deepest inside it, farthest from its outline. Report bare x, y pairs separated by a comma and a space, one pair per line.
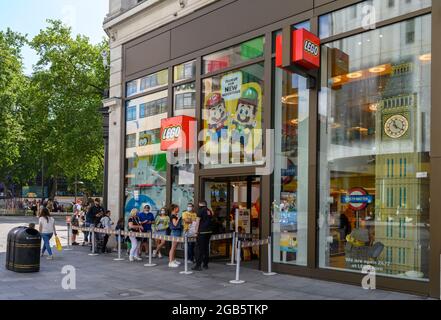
148, 83
366, 12
374, 110
185, 100
131, 113
290, 206
233, 56
184, 71
131, 141
232, 118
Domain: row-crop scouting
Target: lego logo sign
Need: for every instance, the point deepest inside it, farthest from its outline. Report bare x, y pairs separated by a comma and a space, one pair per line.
311, 47
172, 133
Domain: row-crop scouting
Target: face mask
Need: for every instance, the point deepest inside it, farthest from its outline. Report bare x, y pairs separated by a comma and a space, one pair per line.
162, 212
190, 209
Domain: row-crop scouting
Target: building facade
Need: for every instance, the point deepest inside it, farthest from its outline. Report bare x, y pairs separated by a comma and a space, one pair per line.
337, 162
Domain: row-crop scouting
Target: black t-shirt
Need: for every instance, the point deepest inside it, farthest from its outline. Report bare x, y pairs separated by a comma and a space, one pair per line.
91, 216
135, 222
206, 216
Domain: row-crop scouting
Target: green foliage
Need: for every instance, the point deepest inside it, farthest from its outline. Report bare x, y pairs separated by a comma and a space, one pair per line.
58, 122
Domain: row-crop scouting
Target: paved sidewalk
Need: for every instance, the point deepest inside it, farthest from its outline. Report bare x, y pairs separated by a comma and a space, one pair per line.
102, 278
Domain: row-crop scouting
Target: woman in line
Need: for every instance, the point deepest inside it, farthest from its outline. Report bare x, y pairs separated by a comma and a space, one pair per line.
176, 231
134, 226
107, 224
162, 222
47, 230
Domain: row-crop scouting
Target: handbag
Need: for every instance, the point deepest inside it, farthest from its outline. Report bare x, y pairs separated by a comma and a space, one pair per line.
58, 244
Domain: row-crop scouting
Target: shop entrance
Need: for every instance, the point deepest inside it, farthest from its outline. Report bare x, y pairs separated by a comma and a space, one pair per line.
226, 197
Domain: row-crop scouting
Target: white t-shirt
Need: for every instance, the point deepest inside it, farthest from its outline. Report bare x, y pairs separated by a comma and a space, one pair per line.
47, 227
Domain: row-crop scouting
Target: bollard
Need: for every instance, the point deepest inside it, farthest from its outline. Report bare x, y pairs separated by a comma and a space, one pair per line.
237, 280
233, 247
119, 247
93, 254
68, 248
186, 257
150, 264
269, 273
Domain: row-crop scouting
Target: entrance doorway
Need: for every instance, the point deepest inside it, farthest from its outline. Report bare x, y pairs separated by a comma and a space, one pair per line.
235, 202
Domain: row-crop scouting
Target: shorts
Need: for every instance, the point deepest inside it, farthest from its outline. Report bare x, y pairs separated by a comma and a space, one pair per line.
161, 232
176, 233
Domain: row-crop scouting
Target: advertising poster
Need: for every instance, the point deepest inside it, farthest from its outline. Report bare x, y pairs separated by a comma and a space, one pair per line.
245, 220
233, 112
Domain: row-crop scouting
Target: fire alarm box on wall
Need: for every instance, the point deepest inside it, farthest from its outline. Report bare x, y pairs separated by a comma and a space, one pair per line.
304, 49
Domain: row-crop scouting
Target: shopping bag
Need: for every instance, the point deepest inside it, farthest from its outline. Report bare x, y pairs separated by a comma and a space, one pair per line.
58, 243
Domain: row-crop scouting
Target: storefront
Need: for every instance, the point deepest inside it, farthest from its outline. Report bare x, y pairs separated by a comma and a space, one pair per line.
336, 161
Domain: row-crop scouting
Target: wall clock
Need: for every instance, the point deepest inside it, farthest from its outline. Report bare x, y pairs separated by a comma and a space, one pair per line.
396, 126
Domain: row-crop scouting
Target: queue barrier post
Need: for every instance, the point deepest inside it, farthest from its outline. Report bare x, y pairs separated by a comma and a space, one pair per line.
119, 247
150, 264
186, 272
93, 254
68, 248
233, 247
237, 280
269, 273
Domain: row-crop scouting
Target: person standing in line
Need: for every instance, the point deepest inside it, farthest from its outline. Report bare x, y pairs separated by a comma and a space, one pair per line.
47, 230
107, 223
189, 218
175, 231
34, 207
147, 219
204, 232
75, 222
134, 226
93, 216
162, 222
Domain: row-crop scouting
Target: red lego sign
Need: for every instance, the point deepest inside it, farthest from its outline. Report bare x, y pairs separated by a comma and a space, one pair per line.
176, 133
305, 50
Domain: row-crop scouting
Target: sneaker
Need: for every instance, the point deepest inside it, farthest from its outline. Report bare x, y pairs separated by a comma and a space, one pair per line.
177, 262
75, 244
138, 259
159, 255
154, 254
173, 265
131, 259
50, 258
196, 268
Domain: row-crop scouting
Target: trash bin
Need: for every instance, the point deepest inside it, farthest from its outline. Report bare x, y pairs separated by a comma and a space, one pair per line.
23, 250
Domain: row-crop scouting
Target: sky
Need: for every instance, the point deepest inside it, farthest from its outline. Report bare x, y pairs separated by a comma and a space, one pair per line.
29, 17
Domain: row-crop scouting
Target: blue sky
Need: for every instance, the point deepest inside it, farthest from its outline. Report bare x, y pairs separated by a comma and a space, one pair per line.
29, 17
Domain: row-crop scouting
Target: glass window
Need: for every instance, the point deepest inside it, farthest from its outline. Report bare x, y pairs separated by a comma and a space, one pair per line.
375, 151
302, 25
131, 140
185, 100
132, 88
184, 71
146, 164
148, 83
235, 55
131, 113
232, 118
183, 184
290, 206
365, 13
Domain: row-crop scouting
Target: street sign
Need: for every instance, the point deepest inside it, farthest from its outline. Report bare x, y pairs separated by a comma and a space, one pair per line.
357, 198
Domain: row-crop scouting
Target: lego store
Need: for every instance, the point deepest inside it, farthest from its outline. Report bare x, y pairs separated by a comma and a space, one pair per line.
311, 121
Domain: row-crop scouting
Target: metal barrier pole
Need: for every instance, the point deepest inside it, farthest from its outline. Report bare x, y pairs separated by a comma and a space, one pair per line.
93, 244
269, 273
233, 247
150, 264
237, 280
68, 248
119, 247
186, 257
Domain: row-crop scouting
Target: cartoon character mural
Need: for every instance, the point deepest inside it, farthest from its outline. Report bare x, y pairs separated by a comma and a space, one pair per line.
217, 116
245, 117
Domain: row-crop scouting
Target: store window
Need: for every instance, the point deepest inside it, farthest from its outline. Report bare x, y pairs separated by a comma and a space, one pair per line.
185, 71
375, 151
146, 164
148, 83
185, 100
131, 113
290, 206
234, 56
366, 13
232, 118
183, 184
131, 141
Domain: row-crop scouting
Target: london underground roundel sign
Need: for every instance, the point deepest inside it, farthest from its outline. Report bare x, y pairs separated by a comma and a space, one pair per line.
357, 199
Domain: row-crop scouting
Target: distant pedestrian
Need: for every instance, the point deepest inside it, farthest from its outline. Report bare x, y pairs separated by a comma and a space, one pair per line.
189, 219
175, 231
146, 218
107, 223
134, 226
34, 208
93, 217
75, 222
204, 232
47, 231
162, 222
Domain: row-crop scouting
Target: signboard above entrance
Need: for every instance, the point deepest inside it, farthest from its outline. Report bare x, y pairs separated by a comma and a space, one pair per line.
304, 50
176, 133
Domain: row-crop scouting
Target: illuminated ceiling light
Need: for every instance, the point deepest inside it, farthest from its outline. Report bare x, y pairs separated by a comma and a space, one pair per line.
426, 57
354, 75
295, 121
378, 69
336, 80
290, 99
373, 107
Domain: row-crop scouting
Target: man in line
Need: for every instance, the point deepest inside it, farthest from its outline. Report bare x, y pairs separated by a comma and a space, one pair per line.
147, 219
189, 218
93, 216
204, 231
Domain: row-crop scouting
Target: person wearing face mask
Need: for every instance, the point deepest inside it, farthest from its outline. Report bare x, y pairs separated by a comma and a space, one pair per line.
147, 219
176, 231
189, 219
162, 222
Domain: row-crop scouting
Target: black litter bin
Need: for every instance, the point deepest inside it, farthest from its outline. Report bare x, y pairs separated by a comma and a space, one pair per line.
23, 250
